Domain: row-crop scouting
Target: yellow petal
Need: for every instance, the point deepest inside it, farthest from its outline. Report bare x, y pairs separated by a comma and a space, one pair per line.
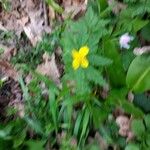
84, 63
75, 54
75, 64
84, 51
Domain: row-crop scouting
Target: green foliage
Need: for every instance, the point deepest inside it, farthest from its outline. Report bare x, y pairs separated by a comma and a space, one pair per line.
132, 147
65, 116
139, 74
85, 32
138, 7
146, 32
141, 128
5, 4
115, 71
142, 101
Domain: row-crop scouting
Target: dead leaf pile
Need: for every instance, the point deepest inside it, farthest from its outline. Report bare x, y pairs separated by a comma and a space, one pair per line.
26, 15
9, 20
35, 23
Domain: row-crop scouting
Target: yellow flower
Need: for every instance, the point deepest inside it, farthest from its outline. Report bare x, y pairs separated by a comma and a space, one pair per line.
79, 58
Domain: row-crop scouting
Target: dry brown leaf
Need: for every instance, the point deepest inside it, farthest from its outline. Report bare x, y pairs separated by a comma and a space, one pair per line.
2, 27
9, 19
37, 23
7, 70
117, 6
124, 124
51, 13
142, 50
102, 143
130, 97
8, 52
73, 7
49, 68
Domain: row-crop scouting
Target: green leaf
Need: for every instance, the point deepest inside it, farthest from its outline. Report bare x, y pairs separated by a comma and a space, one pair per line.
138, 74
99, 60
138, 24
95, 76
19, 139
53, 106
132, 147
77, 124
115, 70
142, 101
34, 124
81, 83
85, 122
138, 128
102, 5
99, 115
34, 145
147, 121
147, 142
146, 32
131, 109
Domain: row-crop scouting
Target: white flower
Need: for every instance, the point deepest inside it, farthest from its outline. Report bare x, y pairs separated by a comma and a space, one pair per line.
125, 40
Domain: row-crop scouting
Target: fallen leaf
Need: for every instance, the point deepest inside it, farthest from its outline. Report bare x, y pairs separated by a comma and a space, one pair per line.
116, 6
124, 124
8, 52
49, 68
73, 8
37, 22
142, 50
7, 70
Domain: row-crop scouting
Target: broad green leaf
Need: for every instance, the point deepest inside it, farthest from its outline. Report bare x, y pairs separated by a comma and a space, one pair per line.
115, 70
95, 76
138, 24
127, 57
147, 142
138, 75
147, 121
138, 128
19, 139
35, 145
132, 147
102, 5
99, 60
142, 101
146, 32
131, 109
99, 115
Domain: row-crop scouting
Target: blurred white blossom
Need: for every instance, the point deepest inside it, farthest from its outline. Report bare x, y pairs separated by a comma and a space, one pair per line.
124, 41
